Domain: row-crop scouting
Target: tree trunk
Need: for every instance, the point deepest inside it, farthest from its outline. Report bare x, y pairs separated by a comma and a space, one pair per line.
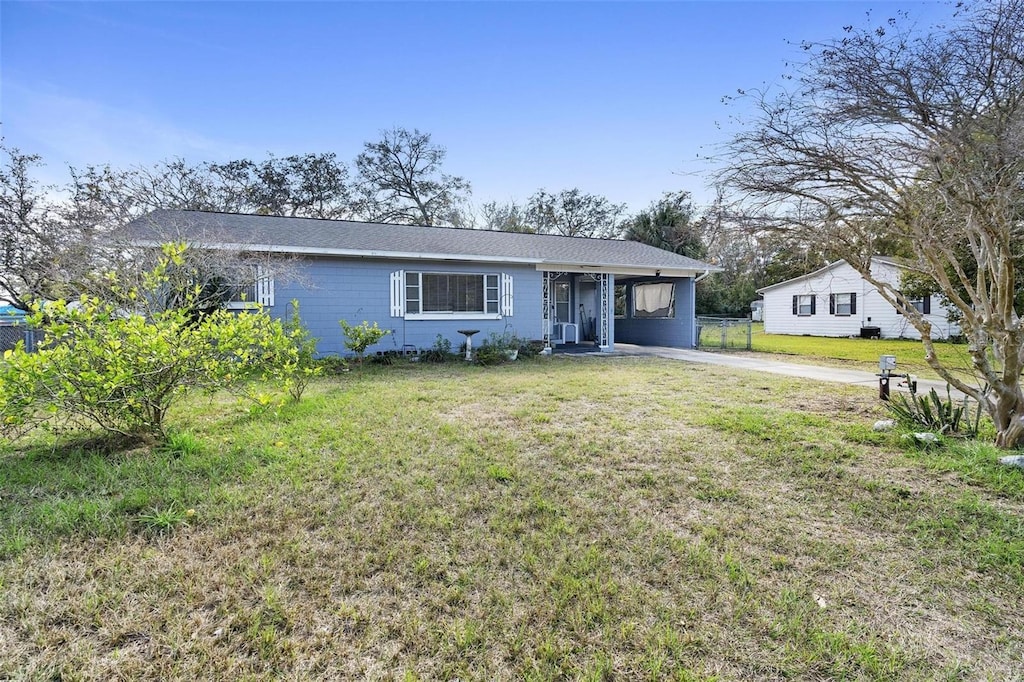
1010, 427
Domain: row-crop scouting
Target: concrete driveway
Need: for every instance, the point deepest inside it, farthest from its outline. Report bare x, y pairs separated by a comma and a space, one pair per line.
864, 378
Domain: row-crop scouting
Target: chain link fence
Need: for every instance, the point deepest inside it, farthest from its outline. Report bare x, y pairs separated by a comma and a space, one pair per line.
724, 333
11, 333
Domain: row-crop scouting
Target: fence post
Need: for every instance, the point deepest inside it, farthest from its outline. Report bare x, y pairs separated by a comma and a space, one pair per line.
750, 327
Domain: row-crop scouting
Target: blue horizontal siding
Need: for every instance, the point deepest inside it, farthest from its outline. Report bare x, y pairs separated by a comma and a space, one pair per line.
677, 332
357, 290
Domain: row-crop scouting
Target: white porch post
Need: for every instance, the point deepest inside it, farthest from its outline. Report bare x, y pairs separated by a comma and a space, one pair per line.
546, 313
606, 287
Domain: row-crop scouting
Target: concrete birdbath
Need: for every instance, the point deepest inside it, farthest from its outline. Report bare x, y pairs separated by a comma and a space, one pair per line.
468, 333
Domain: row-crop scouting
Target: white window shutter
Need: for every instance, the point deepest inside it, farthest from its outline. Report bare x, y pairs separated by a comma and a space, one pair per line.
264, 288
506, 295
398, 293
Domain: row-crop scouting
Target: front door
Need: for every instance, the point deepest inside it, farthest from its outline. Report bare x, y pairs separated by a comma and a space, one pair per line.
563, 309
588, 309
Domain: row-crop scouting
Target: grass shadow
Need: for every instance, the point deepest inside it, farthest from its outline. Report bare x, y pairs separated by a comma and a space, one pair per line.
97, 486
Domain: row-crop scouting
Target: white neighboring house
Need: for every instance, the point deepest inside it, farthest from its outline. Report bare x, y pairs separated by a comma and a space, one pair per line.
837, 301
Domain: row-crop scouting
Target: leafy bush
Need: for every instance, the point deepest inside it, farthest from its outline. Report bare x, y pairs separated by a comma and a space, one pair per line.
359, 338
488, 354
498, 348
530, 349
932, 412
306, 366
441, 351
121, 370
332, 364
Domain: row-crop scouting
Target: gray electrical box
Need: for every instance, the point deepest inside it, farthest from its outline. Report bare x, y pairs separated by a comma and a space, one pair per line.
886, 363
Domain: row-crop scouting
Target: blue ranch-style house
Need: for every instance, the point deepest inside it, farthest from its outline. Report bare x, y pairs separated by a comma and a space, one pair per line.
420, 282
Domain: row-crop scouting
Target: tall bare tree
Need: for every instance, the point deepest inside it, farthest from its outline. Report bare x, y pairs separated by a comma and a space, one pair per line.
903, 136
574, 213
506, 216
401, 180
307, 185
44, 244
115, 196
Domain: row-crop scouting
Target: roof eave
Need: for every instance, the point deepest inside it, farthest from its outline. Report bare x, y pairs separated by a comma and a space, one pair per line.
800, 278
632, 270
628, 270
352, 253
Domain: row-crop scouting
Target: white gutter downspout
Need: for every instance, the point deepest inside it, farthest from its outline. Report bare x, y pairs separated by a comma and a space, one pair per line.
695, 342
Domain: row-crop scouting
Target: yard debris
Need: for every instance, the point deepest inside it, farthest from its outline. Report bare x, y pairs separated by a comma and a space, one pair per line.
820, 601
1013, 461
922, 437
884, 425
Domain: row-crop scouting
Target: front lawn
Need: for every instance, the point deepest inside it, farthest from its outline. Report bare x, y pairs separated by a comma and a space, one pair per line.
857, 353
564, 518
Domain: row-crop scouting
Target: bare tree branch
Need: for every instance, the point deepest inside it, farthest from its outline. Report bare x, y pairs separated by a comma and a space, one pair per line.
911, 139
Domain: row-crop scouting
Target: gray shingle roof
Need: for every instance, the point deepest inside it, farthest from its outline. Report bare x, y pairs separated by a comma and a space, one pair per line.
891, 260
343, 237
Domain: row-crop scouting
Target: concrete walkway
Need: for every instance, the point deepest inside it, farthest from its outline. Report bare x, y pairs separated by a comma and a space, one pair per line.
817, 373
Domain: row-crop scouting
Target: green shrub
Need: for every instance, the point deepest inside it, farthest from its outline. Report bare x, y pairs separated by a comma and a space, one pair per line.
487, 354
530, 349
359, 338
498, 348
332, 364
441, 351
121, 370
932, 412
306, 366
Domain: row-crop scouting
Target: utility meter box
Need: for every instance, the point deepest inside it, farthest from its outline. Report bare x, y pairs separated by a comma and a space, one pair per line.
887, 363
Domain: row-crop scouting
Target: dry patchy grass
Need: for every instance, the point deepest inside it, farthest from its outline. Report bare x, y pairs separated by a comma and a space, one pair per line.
567, 518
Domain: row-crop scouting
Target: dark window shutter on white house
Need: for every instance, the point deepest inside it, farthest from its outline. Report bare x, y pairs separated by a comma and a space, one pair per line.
926, 304
853, 304
796, 304
814, 300
831, 304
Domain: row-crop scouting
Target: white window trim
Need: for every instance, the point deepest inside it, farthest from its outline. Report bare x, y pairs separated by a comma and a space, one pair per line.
242, 305
263, 285
800, 305
640, 314
848, 305
452, 316
399, 306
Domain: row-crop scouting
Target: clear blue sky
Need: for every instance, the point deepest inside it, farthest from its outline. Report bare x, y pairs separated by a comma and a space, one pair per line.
619, 99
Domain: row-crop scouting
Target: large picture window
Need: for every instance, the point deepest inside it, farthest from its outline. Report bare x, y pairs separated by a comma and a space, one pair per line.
450, 294
654, 300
